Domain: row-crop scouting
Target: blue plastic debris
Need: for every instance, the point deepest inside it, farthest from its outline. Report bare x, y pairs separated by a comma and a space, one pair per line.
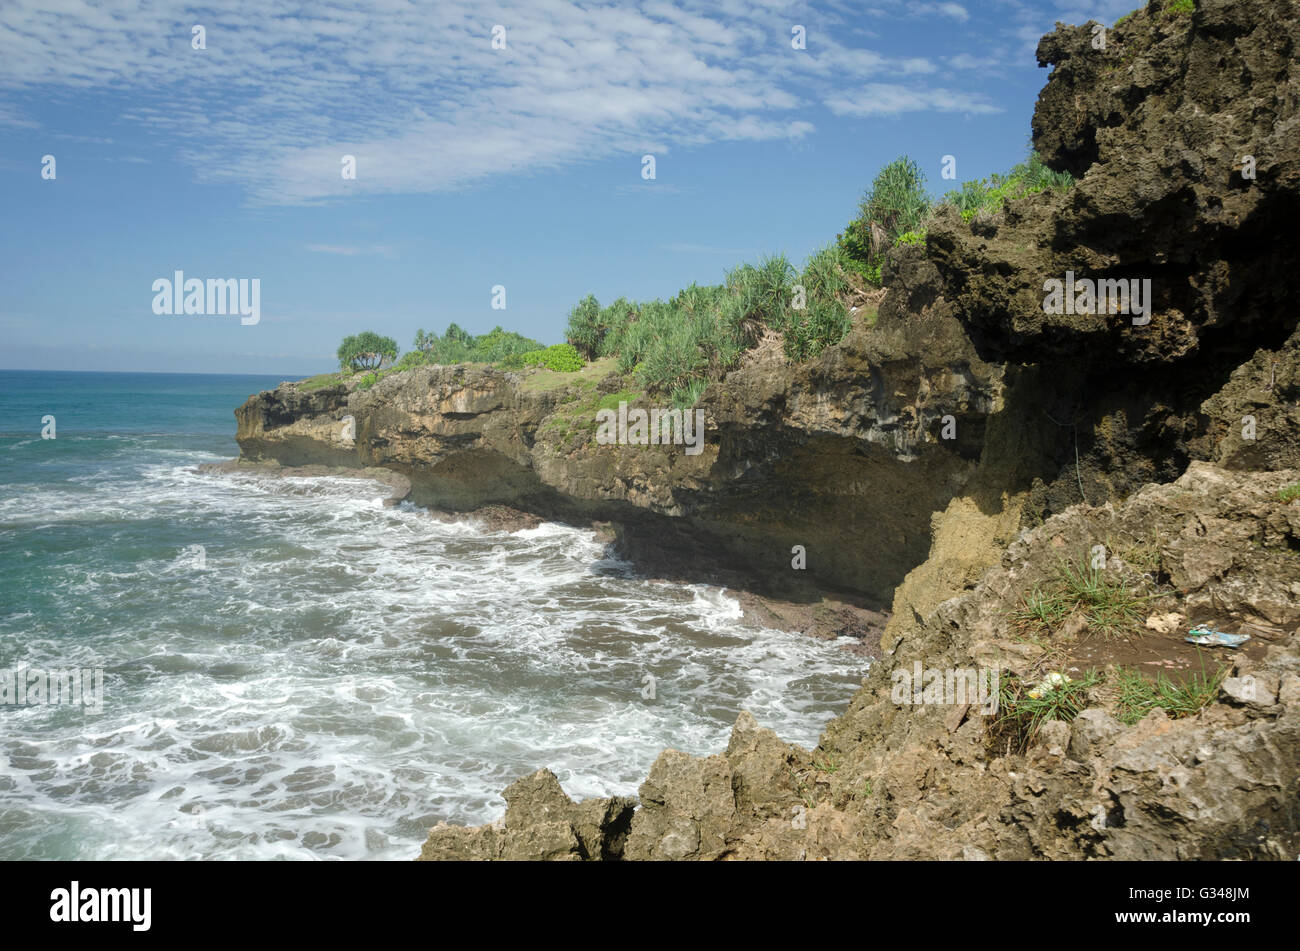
1203, 636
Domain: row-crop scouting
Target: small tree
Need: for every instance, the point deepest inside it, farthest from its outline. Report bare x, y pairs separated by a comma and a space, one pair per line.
366, 351
895, 204
424, 342
454, 332
586, 329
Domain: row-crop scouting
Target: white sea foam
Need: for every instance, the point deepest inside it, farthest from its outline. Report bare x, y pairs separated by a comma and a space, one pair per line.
342, 675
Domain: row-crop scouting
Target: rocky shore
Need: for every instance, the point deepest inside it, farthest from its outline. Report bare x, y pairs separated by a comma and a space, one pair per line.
947, 469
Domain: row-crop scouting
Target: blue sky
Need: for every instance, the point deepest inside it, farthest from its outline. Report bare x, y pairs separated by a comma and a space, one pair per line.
475, 166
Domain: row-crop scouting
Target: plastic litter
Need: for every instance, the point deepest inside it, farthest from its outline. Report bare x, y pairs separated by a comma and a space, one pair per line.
1203, 636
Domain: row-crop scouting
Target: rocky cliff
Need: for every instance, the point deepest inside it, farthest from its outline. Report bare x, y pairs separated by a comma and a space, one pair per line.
841, 455
1145, 458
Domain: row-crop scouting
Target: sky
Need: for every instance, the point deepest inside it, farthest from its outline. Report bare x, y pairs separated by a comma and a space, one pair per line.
494, 145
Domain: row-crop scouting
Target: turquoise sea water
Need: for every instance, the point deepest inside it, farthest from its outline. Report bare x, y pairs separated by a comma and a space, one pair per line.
333, 676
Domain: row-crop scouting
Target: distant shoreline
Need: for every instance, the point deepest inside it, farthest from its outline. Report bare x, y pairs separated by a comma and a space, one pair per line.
282, 376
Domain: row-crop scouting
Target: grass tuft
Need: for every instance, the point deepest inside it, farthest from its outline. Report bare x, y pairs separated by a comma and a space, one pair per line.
1026, 705
1106, 601
1139, 694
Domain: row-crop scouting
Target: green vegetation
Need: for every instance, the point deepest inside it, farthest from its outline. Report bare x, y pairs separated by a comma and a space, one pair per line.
321, 381
826, 764
366, 351
1289, 492
586, 378
1139, 695
987, 195
1180, 6
894, 205
896, 209
674, 347
1025, 705
1043, 612
459, 346
1107, 602
562, 358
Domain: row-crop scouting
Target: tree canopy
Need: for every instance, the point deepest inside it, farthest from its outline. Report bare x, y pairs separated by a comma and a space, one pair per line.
366, 351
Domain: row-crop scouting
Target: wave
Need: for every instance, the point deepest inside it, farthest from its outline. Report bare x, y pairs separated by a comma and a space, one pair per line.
334, 676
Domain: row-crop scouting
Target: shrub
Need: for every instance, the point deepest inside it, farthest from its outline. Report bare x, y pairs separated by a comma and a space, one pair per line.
586, 329
366, 351
819, 325
616, 318
455, 333
562, 358
823, 275
497, 344
895, 204
989, 194
673, 358
459, 346
774, 281
424, 341
413, 358
823, 320
675, 346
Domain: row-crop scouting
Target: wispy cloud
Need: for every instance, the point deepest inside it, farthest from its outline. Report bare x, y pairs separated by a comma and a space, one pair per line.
954, 11
10, 116
889, 99
422, 100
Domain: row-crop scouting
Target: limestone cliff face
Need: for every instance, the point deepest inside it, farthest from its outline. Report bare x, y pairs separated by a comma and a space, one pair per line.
892, 780
842, 456
1165, 443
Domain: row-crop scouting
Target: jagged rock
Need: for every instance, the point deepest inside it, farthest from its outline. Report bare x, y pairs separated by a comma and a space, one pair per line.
541, 823
687, 809
890, 781
1091, 732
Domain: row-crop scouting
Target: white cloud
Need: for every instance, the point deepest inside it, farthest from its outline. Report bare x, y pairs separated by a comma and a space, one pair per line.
10, 116
954, 10
417, 94
889, 99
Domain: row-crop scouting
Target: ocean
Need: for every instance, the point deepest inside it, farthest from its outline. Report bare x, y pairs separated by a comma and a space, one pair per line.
292, 670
